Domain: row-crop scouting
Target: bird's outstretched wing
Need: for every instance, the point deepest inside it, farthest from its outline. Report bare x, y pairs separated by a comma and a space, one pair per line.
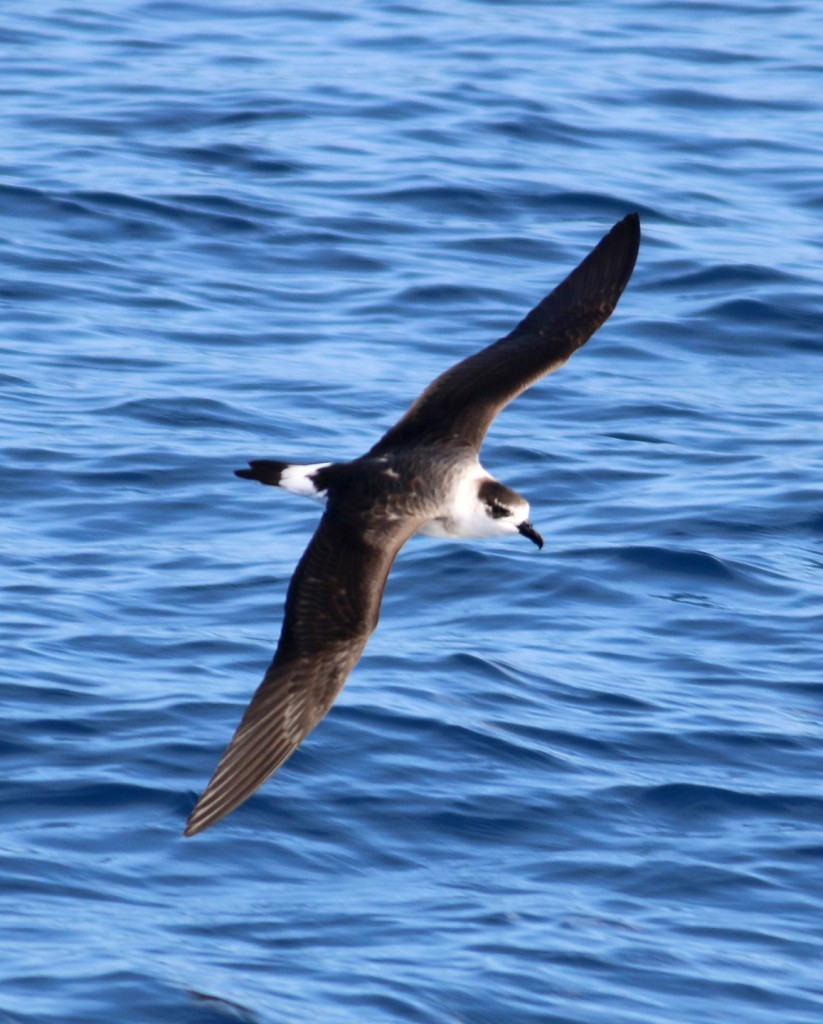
460, 405
332, 607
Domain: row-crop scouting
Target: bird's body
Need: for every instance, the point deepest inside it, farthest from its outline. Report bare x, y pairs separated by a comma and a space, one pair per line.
423, 475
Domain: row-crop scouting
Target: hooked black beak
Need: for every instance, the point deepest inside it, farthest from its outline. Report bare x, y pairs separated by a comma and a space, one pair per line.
529, 531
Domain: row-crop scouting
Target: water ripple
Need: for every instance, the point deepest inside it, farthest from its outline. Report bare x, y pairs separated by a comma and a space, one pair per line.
577, 785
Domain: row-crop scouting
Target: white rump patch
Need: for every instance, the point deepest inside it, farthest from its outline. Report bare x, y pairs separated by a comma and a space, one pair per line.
298, 480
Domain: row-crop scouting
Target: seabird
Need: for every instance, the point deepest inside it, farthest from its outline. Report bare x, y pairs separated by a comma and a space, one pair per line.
422, 476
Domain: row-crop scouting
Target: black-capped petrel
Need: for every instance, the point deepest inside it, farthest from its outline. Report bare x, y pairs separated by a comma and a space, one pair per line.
423, 476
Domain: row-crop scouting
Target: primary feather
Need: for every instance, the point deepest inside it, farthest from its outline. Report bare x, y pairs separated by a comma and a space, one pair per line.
423, 473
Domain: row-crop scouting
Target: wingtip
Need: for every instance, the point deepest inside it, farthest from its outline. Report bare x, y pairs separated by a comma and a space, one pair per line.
632, 221
212, 804
192, 830
193, 826
202, 817
623, 244
631, 225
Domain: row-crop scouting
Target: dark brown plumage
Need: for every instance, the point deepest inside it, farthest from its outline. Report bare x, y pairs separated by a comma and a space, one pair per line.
460, 405
377, 502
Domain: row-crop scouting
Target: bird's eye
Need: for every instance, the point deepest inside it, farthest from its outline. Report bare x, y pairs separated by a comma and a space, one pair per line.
498, 511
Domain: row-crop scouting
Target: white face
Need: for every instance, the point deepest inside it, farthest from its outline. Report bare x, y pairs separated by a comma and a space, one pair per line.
482, 507
495, 518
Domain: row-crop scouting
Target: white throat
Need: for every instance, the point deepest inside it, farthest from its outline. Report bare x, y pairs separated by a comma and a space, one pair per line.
465, 514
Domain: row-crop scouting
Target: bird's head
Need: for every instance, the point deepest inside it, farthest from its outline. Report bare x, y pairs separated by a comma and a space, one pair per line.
505, 511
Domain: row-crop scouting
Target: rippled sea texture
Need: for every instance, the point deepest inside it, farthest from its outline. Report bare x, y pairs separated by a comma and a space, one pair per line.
575, 786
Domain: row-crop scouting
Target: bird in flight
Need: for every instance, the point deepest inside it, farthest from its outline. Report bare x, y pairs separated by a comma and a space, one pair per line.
422, 476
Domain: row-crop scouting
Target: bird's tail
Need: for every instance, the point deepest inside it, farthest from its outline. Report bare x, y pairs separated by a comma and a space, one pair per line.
307, 481
267, 471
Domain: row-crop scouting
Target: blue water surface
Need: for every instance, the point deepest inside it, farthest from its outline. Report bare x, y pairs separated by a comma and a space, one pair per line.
576, 786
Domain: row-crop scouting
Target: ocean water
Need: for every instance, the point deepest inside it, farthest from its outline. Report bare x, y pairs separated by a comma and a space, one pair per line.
574, 786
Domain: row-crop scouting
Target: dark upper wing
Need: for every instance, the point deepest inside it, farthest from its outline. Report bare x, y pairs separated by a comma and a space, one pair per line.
460, 405
332, 607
